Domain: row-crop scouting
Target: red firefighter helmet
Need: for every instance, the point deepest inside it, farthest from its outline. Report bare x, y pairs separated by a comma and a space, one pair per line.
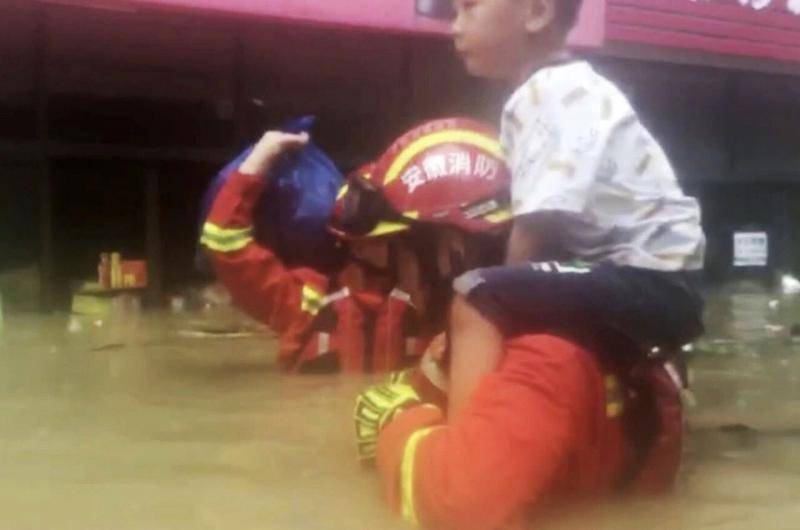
448, 172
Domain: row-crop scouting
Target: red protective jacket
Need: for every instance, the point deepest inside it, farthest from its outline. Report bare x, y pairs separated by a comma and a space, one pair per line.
548, 426
321, 328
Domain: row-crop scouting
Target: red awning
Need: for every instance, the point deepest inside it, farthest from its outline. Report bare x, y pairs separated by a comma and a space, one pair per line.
754, 28
386, 15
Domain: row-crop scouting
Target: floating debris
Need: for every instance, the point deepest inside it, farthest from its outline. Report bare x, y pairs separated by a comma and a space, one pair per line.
74, 324
790, 284
774, 304
177, 304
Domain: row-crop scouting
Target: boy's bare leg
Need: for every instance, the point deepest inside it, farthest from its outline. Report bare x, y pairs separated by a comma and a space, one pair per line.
475, 350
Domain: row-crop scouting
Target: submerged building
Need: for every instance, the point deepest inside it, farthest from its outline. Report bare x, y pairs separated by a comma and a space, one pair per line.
115, 114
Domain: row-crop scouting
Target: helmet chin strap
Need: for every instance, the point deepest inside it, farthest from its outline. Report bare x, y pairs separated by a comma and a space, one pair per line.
370, 271
457, 266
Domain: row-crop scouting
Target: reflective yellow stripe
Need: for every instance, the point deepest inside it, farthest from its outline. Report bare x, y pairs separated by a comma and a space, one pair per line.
409, 511
223, 245
500, 216
486, 143
312, 300
226, 239
387, 227
391, 227
211, 229
342, 192
613, 410
614, 403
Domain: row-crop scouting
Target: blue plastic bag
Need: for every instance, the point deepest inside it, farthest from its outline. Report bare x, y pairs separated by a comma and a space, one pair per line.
292, 214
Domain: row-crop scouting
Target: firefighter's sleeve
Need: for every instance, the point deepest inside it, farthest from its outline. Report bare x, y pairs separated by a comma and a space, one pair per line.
502, 454
258, 281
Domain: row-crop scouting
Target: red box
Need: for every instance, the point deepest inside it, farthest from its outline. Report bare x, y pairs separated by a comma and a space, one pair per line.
116, 273
134, 274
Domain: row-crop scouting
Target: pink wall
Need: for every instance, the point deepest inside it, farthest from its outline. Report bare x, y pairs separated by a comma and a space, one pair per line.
591, 28
718, 26
384, 14
392, 15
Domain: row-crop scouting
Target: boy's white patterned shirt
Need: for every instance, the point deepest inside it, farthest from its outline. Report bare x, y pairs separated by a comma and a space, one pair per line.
576, 149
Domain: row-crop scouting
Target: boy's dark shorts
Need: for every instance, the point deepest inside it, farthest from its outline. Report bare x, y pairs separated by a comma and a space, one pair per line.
651, 308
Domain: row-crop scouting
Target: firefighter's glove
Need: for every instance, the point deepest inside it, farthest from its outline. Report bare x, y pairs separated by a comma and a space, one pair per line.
400, 377
375, 407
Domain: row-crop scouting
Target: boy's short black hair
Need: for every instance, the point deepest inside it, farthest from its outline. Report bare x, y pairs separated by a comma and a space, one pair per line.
567, 13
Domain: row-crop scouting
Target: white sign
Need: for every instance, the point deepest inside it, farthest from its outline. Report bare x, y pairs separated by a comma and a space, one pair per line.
750, 249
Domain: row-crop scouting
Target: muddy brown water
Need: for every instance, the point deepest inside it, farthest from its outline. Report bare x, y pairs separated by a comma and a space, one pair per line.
136, 426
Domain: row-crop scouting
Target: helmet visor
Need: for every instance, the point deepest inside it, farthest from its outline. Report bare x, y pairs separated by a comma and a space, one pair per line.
361, 211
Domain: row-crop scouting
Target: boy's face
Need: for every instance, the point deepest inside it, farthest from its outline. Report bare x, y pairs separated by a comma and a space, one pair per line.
494, 37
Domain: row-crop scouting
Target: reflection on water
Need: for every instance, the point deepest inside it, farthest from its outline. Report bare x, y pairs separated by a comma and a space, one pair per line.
159, 430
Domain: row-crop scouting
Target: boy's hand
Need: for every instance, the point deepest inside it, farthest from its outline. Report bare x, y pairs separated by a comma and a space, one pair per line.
433, 362
437, 349
271, 146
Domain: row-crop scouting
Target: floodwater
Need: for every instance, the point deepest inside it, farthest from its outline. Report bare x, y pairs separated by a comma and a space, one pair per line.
142, 425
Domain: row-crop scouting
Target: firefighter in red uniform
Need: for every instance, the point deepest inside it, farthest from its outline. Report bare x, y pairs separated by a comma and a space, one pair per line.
559, 421
360, 319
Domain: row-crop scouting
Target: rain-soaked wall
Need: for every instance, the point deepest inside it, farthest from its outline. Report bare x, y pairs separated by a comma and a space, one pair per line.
114, 96
18, 201
731, 136
761, 189
132, 93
